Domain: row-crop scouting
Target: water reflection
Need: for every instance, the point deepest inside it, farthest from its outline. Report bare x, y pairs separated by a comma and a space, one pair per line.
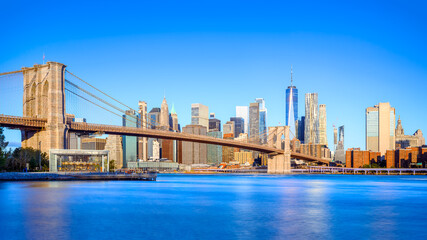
217, 207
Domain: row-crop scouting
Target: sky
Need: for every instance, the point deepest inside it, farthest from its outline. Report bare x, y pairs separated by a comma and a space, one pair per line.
224, 54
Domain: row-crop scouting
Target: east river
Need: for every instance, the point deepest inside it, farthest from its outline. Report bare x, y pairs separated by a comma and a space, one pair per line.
218, 207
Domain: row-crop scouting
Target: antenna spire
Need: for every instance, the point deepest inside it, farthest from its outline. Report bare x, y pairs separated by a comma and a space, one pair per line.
291, 78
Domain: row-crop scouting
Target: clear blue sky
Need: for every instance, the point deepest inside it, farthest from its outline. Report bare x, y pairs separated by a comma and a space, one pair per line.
227, 53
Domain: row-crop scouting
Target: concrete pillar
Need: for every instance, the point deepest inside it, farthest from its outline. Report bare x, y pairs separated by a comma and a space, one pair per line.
280, 164
102, 163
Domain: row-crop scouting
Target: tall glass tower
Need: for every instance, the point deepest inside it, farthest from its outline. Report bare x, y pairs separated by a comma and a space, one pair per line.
291, 106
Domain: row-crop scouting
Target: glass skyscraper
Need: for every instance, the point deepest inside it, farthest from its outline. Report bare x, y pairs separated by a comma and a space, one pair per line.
129, 142
291, 104
262, 120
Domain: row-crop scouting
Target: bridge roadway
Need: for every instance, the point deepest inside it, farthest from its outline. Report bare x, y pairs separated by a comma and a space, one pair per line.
38, 124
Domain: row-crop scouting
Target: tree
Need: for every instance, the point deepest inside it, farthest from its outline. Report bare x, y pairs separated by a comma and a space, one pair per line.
3, 153
112, 166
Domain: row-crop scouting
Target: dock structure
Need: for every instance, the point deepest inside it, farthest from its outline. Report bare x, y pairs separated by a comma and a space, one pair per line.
78, 176
365, 171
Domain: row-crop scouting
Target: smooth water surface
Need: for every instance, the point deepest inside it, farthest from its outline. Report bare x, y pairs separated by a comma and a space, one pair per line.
218, 207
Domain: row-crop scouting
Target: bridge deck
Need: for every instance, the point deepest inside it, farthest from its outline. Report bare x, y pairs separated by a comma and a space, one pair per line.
38, 124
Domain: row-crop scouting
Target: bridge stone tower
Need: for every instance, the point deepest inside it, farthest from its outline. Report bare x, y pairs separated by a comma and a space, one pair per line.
281, 163
44, 98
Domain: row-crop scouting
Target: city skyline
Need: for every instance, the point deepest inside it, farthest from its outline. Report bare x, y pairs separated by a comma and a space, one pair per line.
337, 63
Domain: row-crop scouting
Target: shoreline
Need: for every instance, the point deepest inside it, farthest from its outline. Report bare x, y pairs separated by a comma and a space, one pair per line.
82, 176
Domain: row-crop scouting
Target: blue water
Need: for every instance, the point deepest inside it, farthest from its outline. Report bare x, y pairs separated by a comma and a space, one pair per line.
218, 207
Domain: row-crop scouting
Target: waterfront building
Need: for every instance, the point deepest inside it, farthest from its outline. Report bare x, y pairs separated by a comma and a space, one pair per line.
323, 140
405, 141
129, 142
254, 122
311, 123
214, 152
243, 112
339, 155
291, 102
194, 153
356, 158
380, 128
115, 149
200, 115
411, 157
244, 158
239, 125
214, 124
262, 120
228, 152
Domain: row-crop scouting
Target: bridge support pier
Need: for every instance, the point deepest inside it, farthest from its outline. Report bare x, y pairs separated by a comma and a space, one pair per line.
279, 164
44, 98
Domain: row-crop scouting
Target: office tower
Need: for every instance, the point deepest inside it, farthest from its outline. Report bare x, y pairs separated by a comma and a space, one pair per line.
154, 118
341, 134
228, 127
254, 122
142, 141
339, 149
93, 143
291, 106
194, 153
322, 125
335, 136
301, 129
404, 141
311, 123
115, 148
380, 124
173, 120
153, 123
243, 112
262, 120
200, 115
239, 125
214, 124
164, 115
156, 150
214, 152
129, 142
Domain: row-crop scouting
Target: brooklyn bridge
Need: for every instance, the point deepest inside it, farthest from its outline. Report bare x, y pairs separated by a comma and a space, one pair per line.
44, 120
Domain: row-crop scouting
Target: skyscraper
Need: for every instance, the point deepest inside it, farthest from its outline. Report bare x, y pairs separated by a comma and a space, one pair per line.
214, 124
291, 106
153, 123
322, 125
380, 125
243, 112
194, 153
142, 141
341, 134
311, 123
239, 125
129, 142
301, 129
254, 122
262, 120
200, 115
164, 115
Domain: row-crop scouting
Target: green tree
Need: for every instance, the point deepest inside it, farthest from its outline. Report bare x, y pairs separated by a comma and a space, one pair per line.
3, 153
112, 166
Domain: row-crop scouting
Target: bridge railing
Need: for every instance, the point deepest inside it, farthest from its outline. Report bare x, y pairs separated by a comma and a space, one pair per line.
25, 121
